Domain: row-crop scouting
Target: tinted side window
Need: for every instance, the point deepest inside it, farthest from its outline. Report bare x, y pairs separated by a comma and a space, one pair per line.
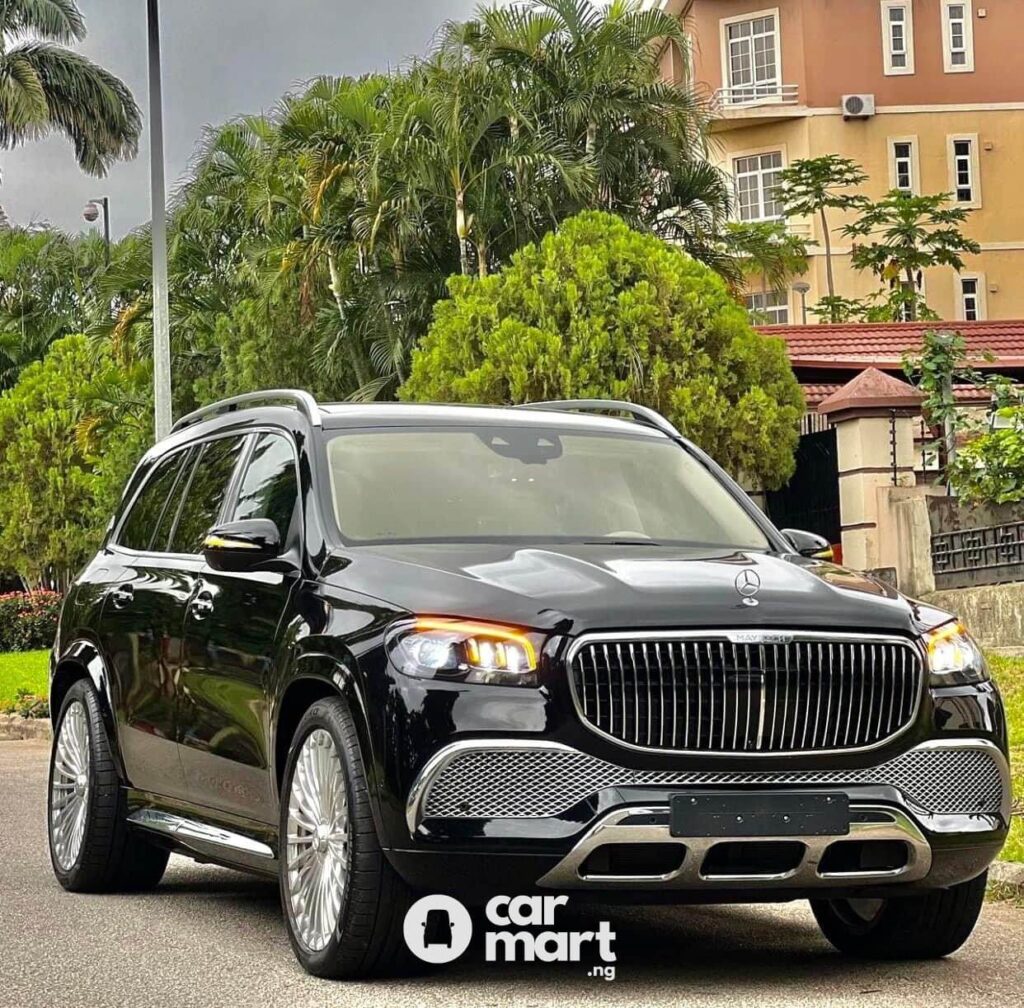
137, 531
269, 488
167, 519
205, 493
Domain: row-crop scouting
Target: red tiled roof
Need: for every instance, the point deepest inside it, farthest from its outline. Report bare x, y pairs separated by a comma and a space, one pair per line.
816, 394
882, 345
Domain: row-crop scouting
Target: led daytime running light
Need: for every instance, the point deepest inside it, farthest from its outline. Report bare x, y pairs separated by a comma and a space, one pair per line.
488, 646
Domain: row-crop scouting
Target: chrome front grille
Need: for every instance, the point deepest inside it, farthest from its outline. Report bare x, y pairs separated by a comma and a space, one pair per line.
544, 781
742, 692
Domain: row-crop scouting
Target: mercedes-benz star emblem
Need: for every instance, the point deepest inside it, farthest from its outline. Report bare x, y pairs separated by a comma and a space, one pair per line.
748, 584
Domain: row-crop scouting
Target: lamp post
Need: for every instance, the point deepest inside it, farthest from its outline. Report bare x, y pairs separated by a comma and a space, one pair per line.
803, 289
92, 212
161, 311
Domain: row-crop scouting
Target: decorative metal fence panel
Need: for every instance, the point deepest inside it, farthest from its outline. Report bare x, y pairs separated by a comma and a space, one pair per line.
990, 554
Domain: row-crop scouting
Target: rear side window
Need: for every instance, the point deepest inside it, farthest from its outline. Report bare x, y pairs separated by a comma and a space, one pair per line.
269, 488
167, 519
151, 504
205, 493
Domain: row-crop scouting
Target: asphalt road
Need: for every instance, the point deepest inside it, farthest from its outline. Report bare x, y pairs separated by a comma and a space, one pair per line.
209, 936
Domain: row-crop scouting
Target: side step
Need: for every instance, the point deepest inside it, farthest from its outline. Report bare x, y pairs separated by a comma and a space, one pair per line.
199, 836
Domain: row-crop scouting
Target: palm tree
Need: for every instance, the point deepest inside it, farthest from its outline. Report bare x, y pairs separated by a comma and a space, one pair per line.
591, 74
46, 88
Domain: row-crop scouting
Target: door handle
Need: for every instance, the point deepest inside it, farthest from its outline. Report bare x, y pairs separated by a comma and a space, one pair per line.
202, 605
123, 595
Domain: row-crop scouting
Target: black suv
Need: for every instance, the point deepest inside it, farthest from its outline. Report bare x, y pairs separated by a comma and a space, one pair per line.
378, 650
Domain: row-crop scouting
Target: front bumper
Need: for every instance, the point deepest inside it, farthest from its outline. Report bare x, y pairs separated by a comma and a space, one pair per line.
543, 808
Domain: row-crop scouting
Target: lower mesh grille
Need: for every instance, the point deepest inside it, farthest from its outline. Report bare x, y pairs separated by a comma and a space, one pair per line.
533, 783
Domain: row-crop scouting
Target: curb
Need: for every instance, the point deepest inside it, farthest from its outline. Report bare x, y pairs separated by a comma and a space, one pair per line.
15, 728
1006, 880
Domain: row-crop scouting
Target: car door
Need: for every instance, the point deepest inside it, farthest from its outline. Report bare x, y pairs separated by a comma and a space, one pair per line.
139, 628
231, 643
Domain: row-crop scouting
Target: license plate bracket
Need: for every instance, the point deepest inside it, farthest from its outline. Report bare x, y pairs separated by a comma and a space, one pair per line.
759, 814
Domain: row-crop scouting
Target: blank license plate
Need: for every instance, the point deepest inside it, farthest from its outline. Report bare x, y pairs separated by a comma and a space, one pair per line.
759, 813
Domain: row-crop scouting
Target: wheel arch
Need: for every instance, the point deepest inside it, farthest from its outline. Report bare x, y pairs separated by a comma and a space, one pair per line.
317, 676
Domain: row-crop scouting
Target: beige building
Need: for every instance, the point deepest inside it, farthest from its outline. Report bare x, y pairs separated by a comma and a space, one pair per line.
927, 95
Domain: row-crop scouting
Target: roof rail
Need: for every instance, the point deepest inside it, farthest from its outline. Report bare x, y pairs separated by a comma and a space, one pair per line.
641, 414
306, 403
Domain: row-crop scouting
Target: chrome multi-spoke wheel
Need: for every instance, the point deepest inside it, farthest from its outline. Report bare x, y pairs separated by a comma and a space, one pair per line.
317, 846
69, 788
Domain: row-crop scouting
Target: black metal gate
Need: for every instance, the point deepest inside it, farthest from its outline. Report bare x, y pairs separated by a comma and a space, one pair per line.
810, 501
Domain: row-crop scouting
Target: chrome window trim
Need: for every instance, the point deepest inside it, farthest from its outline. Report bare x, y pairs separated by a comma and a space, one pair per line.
744, 636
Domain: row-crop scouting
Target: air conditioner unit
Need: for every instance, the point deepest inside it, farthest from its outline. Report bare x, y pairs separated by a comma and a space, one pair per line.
858, 106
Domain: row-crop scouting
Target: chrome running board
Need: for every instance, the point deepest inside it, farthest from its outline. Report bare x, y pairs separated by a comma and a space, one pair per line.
650, 825
190, 833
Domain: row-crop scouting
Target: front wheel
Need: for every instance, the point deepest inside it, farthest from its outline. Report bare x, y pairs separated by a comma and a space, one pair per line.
344, 903
929, 926
92, 847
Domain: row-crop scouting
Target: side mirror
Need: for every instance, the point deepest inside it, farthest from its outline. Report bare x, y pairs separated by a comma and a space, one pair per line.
808, 544
242, 545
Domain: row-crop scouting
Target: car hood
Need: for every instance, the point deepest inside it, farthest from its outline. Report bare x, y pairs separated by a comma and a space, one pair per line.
584, 587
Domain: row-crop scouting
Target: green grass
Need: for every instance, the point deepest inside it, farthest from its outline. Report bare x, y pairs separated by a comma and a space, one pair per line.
27, 670
1009, 674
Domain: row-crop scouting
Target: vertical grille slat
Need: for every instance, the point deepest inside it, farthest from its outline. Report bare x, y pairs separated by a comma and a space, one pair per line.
709, 693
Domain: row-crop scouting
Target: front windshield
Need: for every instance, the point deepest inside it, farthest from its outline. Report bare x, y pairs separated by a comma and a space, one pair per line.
528, 484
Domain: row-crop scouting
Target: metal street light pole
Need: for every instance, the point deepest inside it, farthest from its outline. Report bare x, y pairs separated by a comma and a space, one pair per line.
803, 289
91, 212
161, 311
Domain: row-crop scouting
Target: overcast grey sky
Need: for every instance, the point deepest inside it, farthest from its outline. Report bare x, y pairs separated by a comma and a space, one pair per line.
222, 58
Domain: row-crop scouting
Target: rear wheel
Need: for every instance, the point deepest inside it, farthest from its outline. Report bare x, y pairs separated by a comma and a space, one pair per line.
906, 927
92, 848
344, 903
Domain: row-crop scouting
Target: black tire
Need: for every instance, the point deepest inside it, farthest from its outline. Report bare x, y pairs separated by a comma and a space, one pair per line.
929, 926
367, 940
112, 857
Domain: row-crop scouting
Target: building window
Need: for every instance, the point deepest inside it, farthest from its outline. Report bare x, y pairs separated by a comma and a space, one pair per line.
971, 303
758, 178
768, 307
751, 57
904, 170
964, 174
958, 36
898, 36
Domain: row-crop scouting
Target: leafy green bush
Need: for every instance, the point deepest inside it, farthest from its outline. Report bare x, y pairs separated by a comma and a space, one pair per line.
990, 469
28, 620
597, 310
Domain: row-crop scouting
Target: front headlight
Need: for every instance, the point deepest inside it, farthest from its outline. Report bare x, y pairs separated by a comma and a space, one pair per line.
465, 651
953, 656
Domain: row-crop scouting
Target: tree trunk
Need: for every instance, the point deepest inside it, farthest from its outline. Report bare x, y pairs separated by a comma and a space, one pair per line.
828, 262
910, 291
481, 258
591, 137
462, 230
355, 354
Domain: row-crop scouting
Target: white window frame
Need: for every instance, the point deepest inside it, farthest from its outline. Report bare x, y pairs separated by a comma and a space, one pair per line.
947, 37
915, 163
758, 153
727, 84
908, 37
975, 167
765, 310
981, 301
